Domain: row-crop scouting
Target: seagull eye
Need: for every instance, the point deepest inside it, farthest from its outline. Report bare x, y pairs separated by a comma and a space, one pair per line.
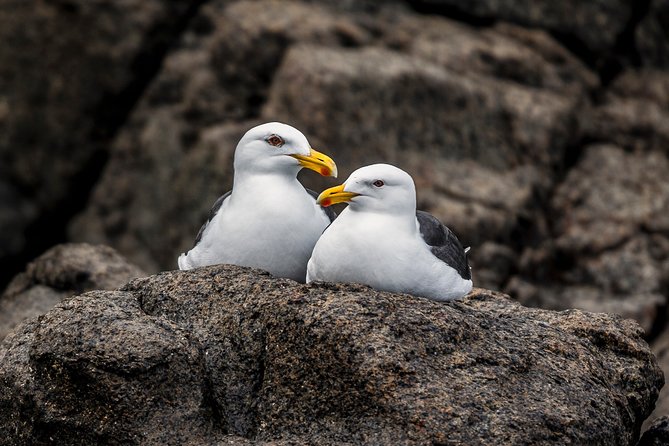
275, 140
378, 183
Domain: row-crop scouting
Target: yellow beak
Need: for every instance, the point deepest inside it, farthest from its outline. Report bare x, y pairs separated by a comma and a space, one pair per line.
335, 195
319, 162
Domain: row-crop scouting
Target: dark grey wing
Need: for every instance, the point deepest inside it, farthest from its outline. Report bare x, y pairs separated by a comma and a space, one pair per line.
443, 243
214, 210
331, 214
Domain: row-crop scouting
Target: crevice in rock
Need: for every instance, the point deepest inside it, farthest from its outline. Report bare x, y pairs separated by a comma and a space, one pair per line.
257, 388
660, 323
625, 51
109, 117
452, 12
51, 227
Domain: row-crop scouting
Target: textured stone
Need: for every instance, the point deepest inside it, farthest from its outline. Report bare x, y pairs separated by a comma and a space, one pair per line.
609, 250
609, 196
652, 35
205, 355
657, 434
634, 112
58, 273
508, 81
596, 23
68, 73
379, 92
660, 347
183, 133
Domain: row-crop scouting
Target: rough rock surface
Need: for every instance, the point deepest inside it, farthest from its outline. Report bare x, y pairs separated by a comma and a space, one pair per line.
221, 353
69, 72
660, 347
596, 23
58, 273
657, 434
609, 249
652, 35
634, 112
520, 84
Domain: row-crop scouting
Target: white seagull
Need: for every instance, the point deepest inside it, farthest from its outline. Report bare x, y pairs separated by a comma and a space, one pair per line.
382, 241
268, 220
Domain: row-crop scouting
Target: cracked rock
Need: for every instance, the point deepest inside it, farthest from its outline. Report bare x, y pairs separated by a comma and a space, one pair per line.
219, 353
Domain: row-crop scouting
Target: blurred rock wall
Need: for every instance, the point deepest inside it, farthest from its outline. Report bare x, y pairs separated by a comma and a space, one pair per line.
539, 131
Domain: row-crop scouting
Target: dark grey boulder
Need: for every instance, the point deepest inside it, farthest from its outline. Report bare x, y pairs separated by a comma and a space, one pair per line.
657, 434
595, 24
70, 71
609, 250
62, 271
229, 355
652, 35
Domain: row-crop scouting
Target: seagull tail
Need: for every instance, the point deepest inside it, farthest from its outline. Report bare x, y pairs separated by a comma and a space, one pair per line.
183, 262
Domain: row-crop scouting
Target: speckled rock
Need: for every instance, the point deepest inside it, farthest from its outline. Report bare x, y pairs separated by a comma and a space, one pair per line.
497, 108
657, 434
230, 355
609, 249
652, 35
595, 24
634, 112
58, 273
69, 72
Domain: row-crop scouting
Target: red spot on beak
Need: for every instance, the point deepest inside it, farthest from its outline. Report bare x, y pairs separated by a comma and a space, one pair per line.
327, 202
325, 172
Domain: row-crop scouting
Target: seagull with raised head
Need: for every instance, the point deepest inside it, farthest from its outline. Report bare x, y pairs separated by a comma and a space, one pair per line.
381, 240
268, 220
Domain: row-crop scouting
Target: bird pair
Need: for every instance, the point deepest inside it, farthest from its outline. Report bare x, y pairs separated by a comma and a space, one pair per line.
271, 222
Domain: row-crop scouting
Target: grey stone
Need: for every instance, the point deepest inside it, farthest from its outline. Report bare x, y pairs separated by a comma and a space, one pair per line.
503, 97
609, 250
596, 23
652, 35
634, 112
68, 73
61, 272
206, 355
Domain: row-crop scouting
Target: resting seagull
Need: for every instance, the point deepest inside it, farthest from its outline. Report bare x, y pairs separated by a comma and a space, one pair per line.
269, 220
381, 241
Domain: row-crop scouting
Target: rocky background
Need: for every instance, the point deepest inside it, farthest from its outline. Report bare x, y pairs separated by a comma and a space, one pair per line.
538, 131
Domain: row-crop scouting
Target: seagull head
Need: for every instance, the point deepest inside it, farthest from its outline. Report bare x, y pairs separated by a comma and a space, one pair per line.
378, 188
275, 147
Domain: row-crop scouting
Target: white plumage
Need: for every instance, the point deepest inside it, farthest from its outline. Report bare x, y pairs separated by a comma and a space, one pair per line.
379, 239
268, 220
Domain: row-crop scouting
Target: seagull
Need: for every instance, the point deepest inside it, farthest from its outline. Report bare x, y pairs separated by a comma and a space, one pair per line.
268, 220
381, 240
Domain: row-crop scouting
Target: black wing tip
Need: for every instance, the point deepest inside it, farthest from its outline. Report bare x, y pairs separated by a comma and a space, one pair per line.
444, 244
212, 213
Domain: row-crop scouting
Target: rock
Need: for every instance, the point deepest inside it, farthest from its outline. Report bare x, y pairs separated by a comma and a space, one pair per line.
597, 24
633, 113
492, 264
652, 35
379, 92
660, 347
657, 434
245, 62
646, 308
69, 72
531, 58
184, 131
609, 196
58, 273
223, 352
610, 250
